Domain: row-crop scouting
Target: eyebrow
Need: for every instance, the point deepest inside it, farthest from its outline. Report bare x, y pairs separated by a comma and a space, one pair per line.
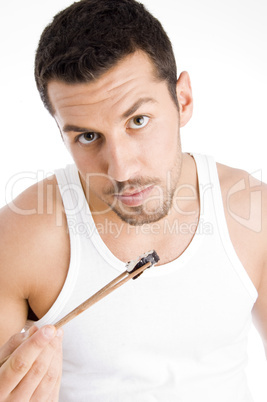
70, 127
136, 106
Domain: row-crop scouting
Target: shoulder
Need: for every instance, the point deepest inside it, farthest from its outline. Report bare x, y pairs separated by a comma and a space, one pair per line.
34, 247
35, 212
244, 197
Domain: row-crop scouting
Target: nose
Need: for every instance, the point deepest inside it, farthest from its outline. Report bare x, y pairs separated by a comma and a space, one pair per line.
121, 157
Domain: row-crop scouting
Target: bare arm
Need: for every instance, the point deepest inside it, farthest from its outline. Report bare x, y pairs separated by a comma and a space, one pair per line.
33, 266
259, 312
13, 281
245, 202
260, 309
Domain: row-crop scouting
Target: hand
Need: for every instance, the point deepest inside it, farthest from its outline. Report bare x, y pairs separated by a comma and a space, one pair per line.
33, 370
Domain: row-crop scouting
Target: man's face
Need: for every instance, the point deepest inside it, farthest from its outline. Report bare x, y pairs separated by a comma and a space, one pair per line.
122, 131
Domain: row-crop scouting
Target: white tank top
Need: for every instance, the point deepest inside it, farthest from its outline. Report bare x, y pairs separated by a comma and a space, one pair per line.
177, 333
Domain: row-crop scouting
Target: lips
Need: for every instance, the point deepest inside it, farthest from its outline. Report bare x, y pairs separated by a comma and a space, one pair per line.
136, 198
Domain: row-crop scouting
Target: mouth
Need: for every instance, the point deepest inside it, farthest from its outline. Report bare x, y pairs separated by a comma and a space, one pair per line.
135, 198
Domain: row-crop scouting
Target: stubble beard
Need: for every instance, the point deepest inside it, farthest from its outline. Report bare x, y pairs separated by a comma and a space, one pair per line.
141, 215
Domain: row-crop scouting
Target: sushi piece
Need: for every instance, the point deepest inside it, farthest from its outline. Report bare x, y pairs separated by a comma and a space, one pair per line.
150, 256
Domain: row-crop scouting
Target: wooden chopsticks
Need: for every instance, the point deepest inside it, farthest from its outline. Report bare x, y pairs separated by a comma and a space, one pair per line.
106, 290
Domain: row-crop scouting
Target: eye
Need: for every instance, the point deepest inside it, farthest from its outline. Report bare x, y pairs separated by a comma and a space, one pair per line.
88, 138
138, 122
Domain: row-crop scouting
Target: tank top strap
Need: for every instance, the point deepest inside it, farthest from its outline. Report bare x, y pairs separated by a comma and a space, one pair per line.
71, 193
206, 185
212, 203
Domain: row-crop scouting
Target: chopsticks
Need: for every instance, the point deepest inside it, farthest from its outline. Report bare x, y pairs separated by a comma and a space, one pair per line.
106, 290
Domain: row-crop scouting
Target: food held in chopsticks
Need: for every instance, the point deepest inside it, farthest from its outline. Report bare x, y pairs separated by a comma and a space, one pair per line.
149, 256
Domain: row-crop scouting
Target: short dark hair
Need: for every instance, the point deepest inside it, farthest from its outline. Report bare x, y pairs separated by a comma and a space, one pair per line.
89, 37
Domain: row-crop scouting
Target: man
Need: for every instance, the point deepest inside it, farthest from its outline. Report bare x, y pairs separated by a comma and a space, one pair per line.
106, 72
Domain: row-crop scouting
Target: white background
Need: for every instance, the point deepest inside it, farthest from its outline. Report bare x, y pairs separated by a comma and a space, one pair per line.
222, 44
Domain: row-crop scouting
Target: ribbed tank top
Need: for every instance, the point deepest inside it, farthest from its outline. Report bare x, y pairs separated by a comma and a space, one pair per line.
176, 334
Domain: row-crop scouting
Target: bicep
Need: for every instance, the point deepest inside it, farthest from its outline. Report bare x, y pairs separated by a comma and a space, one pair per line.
14, 306
13, 314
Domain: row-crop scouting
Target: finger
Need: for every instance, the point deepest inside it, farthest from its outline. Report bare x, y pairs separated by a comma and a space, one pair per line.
22, 359
54, 397
51, 380
14, 342
41, 379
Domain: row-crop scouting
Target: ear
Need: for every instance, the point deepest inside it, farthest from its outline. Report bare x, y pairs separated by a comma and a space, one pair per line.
185, 98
